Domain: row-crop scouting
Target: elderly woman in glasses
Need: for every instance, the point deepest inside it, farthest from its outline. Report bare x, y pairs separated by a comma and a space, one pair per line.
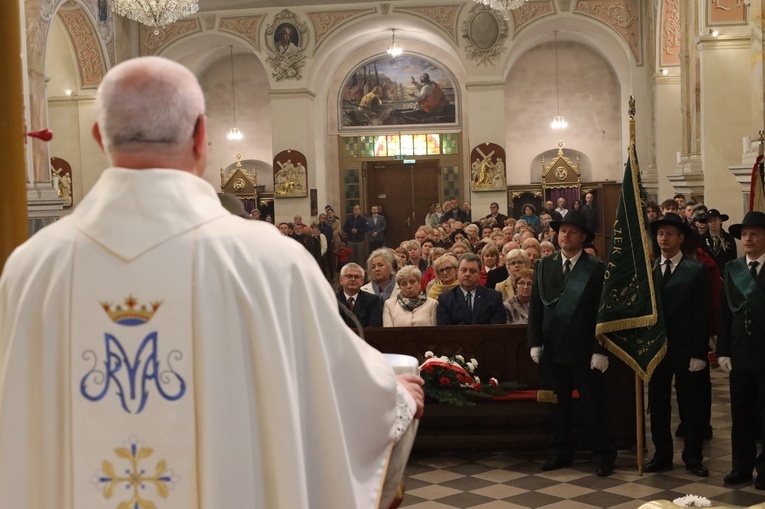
517, 307
410, 308
380, 265
446, 275
515, 260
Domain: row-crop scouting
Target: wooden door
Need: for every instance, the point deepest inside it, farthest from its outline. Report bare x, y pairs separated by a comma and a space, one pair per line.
404, 191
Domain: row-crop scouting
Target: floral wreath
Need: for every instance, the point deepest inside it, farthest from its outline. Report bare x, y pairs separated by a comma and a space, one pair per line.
452, 380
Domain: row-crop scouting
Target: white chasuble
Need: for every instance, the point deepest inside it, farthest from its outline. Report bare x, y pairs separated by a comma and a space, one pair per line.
132, 386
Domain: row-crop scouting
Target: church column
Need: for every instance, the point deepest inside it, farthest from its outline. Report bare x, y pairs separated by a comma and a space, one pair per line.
485, 105
13, 204
668, 129
726, 117
293, 128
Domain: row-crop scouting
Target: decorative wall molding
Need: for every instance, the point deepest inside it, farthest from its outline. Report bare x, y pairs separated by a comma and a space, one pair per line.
150, 43
443, 16
529, 12
324, 22
726, 12
564, 5
87, 46
484, 32
670, 34
245, 26
621, 15
286, 58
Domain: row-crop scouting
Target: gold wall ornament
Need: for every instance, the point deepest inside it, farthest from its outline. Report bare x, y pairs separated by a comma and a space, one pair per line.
239, 181
485, 32
290, 174
561, 173
286, 40
64, 186
488, 168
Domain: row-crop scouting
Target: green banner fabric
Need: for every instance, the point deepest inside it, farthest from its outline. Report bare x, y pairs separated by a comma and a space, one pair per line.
629, 318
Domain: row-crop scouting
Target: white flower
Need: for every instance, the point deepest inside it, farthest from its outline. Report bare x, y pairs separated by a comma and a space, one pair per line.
429, 354
459, 359
474, 362
477, 380
692, 501
444, 358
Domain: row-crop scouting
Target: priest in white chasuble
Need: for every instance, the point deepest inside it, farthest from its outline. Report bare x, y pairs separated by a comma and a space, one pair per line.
156, 351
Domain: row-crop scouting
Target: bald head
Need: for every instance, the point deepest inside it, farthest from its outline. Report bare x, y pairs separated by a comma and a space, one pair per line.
151, 108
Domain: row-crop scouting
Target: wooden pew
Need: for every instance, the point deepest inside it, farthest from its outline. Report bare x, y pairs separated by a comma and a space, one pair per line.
501, 352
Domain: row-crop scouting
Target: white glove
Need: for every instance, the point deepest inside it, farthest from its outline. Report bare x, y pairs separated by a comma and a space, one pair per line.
696, 365
599, 362
536, 352
725, 365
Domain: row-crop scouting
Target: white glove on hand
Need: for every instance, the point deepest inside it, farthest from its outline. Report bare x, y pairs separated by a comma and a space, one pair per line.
536, 351
696, 365
599, 362
725, 365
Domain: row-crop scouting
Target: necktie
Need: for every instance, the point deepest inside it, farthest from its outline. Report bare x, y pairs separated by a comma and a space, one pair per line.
753, 268
566, 270
469, 300
351, 303
667, 271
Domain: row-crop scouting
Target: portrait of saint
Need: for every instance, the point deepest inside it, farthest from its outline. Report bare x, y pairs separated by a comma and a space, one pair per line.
286, 40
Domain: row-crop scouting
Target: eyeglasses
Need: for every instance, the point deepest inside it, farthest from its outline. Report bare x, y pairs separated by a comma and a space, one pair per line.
523, 283
445, 270
353, 276
516, 262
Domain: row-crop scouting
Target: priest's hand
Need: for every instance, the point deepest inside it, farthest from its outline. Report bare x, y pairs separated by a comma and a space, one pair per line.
536, 352
725, 365
413, 385
696, 365
599, 362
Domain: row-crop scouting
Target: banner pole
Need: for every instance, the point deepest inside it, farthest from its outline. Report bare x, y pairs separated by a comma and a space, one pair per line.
639, 422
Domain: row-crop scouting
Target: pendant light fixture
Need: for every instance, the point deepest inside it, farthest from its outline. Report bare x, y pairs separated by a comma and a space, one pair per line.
558, 122
394, 49
234, 133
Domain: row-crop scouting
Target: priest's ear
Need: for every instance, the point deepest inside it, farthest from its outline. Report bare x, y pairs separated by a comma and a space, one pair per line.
96, 131
200, 144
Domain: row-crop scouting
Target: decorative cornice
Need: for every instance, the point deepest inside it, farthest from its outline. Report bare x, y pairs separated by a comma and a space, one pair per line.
324, 22
564, 5
87, 47
293, 91
623, 16
245, 26
485, 85
443, 16
151, 44
530, 11
723, 42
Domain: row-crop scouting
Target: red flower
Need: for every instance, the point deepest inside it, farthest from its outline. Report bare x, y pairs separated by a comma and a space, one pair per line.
460, 378
445, 381
493, 382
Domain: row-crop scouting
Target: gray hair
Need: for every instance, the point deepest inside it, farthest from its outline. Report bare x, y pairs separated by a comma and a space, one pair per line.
407, 272
517, 253
387, 256
349, 266
148, 103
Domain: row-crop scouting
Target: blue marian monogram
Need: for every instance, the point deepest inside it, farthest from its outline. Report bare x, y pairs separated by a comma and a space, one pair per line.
132, 378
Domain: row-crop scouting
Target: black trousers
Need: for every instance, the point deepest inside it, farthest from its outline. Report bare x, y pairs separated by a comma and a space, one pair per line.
592, 396
747, 396
689, 388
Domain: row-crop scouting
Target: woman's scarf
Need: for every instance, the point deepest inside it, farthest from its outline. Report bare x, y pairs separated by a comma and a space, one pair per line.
411, 304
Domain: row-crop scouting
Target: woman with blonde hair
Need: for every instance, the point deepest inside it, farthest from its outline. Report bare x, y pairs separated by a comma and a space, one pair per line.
489, 261
446, 275
515, 260
410, 308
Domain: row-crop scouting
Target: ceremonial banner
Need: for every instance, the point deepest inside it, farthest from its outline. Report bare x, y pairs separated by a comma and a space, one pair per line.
629, 318
757, 185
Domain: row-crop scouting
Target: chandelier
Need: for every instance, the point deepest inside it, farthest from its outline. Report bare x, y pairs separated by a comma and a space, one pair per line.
155, 13
394, 49
502, 6
558, 122
234, 133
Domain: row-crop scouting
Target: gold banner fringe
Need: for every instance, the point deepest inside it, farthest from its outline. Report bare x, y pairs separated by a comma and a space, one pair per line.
646, 375
546, 396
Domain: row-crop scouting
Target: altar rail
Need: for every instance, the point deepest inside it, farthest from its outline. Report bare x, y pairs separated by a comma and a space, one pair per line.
501, 352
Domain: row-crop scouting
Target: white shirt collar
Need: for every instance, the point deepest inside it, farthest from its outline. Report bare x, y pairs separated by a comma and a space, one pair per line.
761, 259
573, 259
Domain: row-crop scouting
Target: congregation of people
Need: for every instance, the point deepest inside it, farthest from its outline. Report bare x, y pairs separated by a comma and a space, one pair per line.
495, 269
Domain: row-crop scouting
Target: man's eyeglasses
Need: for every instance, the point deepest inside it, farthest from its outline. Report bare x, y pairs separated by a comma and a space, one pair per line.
353, 276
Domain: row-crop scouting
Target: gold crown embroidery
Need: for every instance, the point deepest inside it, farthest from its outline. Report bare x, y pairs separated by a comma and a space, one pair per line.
131, 313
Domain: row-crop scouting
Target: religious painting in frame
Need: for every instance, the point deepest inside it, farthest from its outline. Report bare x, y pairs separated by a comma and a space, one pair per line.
404, 91
290, 174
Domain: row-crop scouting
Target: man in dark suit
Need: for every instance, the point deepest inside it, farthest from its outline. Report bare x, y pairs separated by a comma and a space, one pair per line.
685, 289
455, 212
469, 303
500, 218
590, 210
741, 348
356, 227
377, 226
565, 296
366, 306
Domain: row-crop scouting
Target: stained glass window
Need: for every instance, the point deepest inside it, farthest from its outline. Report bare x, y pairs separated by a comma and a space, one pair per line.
393, 145
420, 145
407, 145
434, 144
381, 146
